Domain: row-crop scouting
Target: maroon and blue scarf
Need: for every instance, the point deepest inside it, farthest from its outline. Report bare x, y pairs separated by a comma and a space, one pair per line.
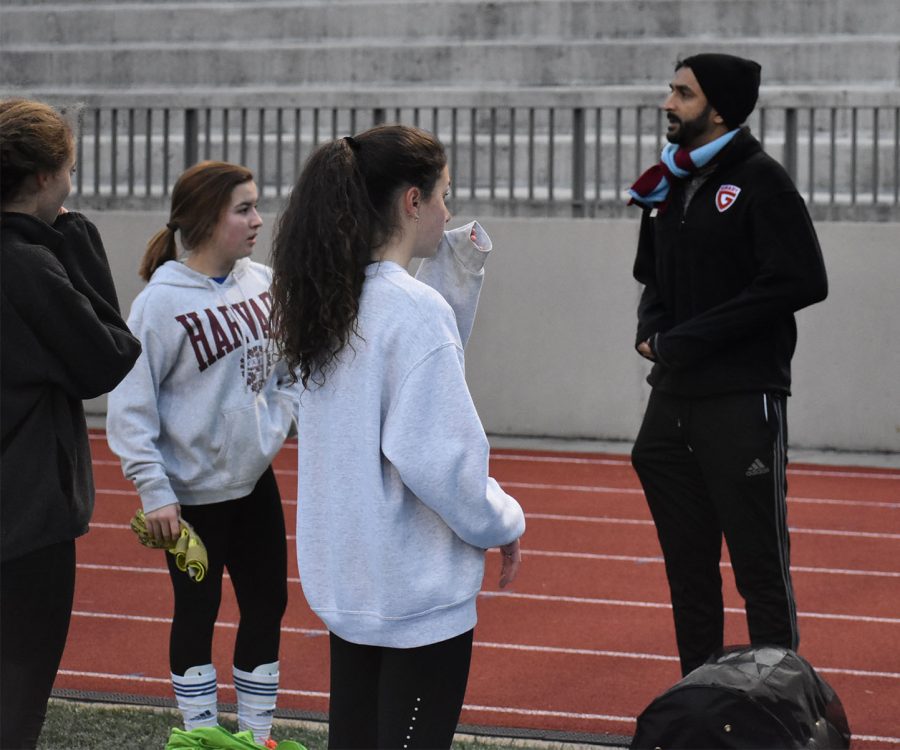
651, 190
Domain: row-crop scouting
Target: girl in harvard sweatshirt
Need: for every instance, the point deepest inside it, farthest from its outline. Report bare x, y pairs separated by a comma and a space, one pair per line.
197, 423
395, 505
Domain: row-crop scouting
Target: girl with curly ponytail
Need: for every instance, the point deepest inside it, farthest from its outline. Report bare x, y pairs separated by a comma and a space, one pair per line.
395, 506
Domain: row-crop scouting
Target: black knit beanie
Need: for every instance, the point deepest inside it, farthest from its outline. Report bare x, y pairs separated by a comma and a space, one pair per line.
731, 84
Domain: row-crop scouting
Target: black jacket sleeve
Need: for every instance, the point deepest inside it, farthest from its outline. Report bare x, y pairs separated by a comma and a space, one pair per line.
64, 326
652, 314
84, 258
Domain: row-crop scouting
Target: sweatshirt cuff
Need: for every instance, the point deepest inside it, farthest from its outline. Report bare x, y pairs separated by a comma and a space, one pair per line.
470, 255
157, 495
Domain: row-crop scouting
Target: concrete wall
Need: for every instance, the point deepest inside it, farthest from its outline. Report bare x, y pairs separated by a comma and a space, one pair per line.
551, 354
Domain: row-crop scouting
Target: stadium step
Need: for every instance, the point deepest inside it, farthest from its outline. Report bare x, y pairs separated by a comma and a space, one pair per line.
101, 45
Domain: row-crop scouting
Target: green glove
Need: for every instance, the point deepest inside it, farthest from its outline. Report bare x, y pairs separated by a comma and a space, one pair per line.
189, 551
210, 738
217, 738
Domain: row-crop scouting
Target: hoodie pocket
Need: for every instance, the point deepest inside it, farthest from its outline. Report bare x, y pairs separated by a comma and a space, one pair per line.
242, 457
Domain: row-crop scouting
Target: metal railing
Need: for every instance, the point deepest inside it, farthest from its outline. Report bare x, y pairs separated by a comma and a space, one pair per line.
509, 154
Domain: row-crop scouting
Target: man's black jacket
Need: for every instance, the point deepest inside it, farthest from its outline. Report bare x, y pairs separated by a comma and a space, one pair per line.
723, 278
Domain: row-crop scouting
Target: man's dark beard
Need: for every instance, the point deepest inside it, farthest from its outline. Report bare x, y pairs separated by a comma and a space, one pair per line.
689, 130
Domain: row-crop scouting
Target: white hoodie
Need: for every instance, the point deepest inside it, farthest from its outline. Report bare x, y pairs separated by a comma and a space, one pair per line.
201, 415
395, 506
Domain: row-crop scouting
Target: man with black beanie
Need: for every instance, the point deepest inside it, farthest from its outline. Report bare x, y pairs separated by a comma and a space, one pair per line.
726, 253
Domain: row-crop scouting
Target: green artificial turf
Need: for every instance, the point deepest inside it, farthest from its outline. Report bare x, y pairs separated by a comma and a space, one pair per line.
74, 725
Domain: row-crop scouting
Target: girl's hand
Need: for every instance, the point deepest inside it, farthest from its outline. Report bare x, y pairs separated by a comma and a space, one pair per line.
164, 524
512, 559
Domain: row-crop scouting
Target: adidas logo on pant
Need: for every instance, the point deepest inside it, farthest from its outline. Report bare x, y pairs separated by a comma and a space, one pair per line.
207, 714
756, 468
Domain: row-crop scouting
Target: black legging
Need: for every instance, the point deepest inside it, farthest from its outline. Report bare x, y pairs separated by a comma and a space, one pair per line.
397, 697
246, 536
35, 608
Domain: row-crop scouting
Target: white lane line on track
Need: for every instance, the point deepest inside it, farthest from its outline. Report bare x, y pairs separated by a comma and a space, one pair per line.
531, 648
606, 490
318, 694
621, 521
142, 570
657, 657
110, 526
580, 488
637, 559
598, 489
848, 503
562, 598
578, 651
168, 681
122, 568
664, 605
659, 561
589, 519
603, 490
825, 472
554, 714
838, 532
168, 620
874, 738
585, 460
646, 522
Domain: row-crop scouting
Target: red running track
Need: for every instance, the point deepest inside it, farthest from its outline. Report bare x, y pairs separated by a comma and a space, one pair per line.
584, 639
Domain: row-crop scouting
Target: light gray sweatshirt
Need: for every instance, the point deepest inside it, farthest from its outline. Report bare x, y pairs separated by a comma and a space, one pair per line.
395, 505
202, 413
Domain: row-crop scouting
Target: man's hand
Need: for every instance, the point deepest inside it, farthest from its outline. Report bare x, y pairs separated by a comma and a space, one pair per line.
645, 351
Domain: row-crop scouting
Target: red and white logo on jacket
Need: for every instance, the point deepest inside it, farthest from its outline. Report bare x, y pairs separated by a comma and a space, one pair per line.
726, 195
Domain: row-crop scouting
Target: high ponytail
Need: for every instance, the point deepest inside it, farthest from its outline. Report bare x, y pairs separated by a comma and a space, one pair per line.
161, 248
199, 197
342, 208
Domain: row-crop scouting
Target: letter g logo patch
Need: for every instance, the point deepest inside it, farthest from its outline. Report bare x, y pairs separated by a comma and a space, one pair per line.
726, 195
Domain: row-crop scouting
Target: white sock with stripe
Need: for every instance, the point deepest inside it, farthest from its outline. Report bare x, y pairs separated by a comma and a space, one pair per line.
196, 696
257, 692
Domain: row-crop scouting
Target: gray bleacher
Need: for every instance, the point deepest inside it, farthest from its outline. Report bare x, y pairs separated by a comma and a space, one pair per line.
516, 85
101, 46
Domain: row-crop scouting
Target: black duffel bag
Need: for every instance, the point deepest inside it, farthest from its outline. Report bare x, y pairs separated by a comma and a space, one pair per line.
747, 697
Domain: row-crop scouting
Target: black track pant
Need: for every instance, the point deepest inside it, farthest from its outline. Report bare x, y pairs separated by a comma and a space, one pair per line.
247, 537
712, 467
397, 697
35, 608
